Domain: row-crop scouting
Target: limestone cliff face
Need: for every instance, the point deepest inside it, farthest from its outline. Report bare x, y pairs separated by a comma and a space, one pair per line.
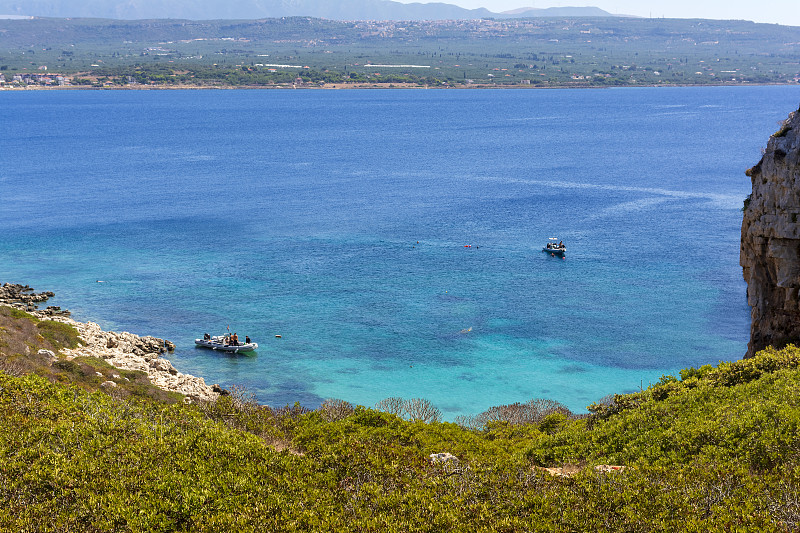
770, 247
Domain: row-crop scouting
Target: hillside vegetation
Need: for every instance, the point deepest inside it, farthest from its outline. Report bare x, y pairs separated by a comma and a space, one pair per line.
715, 449
545, 52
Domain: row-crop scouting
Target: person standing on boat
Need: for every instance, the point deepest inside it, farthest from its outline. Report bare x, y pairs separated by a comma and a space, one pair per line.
235, 339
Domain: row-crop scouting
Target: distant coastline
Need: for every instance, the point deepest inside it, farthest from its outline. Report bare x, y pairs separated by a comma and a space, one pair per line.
308, 52
367, 86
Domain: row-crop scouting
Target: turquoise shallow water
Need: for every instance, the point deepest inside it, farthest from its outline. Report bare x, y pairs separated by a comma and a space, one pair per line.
339, 220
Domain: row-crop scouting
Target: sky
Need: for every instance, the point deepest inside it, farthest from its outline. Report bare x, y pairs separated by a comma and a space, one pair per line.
785, 12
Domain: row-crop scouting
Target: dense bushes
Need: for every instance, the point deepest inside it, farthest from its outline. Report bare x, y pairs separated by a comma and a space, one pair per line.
714, 450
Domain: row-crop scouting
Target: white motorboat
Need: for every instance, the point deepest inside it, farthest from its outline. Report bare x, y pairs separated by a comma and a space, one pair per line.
225, 344
554, 248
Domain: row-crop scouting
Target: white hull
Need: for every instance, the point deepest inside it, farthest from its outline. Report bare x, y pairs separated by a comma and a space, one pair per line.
557, 251
215, 344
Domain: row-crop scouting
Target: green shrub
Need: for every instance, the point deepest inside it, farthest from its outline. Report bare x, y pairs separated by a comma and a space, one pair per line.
784, 129
369, 418
697, 373
58, 334
552, 422
662, 391
69, 366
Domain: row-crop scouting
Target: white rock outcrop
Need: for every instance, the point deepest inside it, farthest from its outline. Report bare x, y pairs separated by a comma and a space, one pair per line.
127, 351
444, 457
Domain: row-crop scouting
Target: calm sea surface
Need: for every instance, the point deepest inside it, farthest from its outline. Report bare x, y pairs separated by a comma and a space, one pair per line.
393, 238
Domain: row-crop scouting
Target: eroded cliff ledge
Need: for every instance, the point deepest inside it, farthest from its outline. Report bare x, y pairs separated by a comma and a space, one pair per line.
770, 246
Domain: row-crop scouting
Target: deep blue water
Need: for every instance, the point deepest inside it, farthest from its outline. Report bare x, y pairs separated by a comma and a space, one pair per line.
339, 219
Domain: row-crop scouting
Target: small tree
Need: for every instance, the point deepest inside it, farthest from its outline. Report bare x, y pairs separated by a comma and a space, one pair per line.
421, 410
531, 412
394, 406
333, 409
416, 409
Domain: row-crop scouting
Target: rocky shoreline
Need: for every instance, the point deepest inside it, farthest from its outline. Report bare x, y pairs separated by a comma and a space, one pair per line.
23, 297
123, 350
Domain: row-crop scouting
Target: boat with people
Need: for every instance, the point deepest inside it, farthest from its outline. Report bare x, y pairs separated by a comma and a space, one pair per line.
553, 248
226, 343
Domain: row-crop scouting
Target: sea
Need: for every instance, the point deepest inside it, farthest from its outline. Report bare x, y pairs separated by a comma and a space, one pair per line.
388, 243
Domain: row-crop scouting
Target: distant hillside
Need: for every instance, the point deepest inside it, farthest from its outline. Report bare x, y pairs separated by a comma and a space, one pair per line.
273, 52
530, 12
257, 9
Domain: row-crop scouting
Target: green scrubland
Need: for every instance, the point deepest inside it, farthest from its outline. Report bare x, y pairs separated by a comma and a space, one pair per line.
714, 449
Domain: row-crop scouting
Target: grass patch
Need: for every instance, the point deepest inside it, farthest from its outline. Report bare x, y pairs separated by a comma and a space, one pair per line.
59, 334
96, 364
18, 333
785, 128
13, 312
22, 333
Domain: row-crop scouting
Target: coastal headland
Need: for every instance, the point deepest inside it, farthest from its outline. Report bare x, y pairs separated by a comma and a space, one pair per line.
123, 350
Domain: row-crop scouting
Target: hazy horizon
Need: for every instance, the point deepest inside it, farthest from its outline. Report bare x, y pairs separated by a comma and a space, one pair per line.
785, 12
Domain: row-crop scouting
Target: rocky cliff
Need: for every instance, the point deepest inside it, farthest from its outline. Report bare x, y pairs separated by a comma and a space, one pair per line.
770, 246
